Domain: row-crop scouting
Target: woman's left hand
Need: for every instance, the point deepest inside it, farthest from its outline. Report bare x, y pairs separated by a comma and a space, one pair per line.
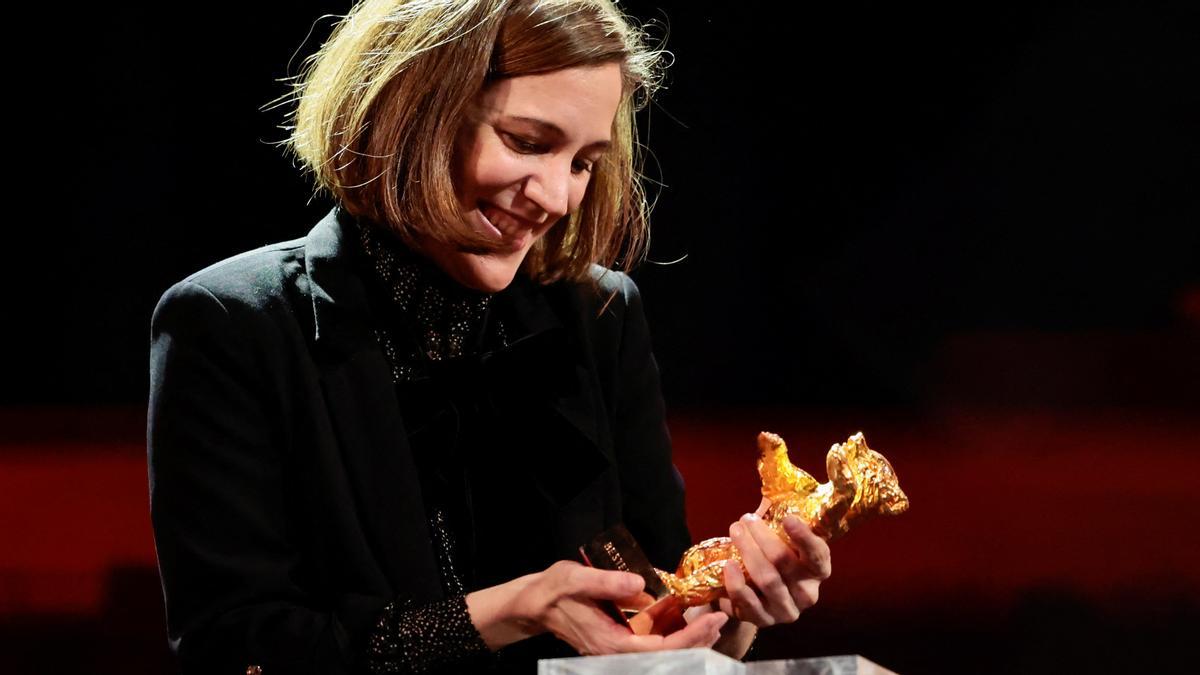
778, 581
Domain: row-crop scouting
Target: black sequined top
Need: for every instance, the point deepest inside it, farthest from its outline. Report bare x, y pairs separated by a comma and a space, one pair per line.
433, 323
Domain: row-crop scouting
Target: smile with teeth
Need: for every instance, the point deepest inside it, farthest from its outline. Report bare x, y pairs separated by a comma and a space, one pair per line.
502, 221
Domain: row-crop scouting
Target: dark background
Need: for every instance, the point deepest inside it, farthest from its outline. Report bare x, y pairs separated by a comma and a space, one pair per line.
970, 216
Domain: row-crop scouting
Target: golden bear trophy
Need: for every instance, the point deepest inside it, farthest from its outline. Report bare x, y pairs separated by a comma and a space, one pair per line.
861, 484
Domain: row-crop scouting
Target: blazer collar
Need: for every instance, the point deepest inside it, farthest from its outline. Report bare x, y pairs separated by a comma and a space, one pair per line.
341, 314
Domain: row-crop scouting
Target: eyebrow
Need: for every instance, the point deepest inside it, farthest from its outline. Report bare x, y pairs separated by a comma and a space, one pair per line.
552, 129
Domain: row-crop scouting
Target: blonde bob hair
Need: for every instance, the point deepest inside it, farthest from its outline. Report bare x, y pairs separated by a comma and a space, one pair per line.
379, 106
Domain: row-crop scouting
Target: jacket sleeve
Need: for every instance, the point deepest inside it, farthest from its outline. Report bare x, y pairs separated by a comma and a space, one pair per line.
651, 487
217, 504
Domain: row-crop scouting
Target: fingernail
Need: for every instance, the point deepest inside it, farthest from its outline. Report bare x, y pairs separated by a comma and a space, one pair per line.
735, 530
750, 517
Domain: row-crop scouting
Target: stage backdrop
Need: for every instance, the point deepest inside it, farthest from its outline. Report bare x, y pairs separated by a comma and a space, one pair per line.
967, 229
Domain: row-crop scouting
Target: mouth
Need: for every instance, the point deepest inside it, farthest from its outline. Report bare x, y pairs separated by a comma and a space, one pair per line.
505, 226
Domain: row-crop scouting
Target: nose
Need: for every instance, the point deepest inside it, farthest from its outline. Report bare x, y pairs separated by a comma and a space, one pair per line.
550, 189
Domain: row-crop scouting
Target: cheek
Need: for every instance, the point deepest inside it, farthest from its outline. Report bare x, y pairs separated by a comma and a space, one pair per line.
494, 170
578, 192
478, 169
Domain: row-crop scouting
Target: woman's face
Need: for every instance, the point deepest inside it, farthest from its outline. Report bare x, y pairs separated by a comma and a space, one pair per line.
524, 162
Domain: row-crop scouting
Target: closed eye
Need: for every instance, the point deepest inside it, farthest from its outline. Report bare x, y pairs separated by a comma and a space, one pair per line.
523, 145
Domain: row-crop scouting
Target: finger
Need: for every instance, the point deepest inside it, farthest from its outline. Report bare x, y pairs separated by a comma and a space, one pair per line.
806, 593
703, 632
788, 564
762, 507
777, 597
745, 603
637, 601
696, 611
609, 641
813, 550
726, 605
589, 582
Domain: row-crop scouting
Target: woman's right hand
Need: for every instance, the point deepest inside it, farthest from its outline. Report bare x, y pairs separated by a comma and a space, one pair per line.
562, 600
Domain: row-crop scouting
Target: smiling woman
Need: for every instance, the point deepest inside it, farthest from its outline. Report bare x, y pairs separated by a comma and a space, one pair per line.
388, 145
524, 160
377, 448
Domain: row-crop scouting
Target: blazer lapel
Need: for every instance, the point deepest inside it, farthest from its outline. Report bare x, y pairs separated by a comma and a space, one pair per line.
571, 446
362, 404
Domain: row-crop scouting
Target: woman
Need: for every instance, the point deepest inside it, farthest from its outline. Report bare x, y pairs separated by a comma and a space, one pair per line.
379, 446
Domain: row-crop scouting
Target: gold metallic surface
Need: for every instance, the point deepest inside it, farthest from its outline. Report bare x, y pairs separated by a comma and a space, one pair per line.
861, 484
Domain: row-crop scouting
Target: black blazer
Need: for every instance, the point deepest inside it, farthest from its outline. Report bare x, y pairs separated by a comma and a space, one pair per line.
286, 508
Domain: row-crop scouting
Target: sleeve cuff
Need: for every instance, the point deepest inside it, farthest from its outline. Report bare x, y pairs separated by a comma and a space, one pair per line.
424, 639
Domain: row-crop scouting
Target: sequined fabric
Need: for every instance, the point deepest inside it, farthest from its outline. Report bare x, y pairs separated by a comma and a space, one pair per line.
443, 547
446, 317
426, 639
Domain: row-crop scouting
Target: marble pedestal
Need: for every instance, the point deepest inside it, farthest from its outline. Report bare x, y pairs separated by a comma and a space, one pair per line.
705, 662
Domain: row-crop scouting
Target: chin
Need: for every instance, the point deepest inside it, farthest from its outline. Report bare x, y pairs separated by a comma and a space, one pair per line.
487, 273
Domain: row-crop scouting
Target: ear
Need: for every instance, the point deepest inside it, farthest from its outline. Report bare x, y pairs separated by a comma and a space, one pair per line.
841, 474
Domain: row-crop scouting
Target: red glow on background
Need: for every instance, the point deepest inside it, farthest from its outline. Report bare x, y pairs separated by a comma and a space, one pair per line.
69, 514
1099, 503
1189, 305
